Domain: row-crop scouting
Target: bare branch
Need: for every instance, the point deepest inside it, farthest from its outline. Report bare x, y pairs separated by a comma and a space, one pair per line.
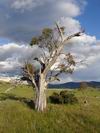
29, 73
60, 31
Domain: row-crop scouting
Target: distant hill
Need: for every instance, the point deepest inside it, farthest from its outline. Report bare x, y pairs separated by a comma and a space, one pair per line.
73, 85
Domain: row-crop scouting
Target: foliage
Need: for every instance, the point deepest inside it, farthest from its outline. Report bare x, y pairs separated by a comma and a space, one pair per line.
54, 98
34, 41
63, 98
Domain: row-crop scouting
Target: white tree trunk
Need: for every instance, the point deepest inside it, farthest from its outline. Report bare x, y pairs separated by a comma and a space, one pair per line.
41, 102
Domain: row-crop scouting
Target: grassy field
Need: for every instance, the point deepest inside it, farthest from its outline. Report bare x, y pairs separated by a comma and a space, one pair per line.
18, 116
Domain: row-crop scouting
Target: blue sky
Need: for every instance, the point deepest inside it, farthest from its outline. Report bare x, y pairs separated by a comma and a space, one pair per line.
22, 19
4, 41
90, 19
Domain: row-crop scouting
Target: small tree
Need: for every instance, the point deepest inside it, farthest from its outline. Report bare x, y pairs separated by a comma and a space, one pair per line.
83, 85
51, 42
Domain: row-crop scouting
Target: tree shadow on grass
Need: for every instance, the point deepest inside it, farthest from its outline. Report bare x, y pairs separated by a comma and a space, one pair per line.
30, 103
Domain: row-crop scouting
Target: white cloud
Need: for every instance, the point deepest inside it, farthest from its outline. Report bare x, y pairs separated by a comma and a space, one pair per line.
12, 56
72, 25
85, 48
84, 39
71, 9
21, 19
26, 4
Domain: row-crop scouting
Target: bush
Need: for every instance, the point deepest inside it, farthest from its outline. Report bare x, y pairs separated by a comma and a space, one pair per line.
63, 98
63, 93
70, 98
54, 98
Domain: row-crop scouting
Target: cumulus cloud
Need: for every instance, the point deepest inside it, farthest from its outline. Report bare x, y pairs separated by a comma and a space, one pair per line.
13, 56
69, 8
71, 25
85, 49
22, 19
26, 4
61, 6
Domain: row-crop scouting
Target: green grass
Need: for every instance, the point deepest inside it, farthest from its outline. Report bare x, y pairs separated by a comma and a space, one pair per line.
17, 115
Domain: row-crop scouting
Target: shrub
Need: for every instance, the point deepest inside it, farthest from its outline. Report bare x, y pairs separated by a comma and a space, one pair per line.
63, 93
63, 98
54, 98
70, 98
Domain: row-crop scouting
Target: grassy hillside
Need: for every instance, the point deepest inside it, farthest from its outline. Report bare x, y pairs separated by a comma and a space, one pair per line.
17, 115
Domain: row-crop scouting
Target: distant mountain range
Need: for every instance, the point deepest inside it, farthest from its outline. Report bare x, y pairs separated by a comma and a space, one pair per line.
73, 85
70, 85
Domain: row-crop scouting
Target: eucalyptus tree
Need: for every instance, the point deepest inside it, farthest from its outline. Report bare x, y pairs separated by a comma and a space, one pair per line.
51, 42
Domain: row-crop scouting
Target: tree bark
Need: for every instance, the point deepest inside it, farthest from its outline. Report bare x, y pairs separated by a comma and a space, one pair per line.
41, 102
